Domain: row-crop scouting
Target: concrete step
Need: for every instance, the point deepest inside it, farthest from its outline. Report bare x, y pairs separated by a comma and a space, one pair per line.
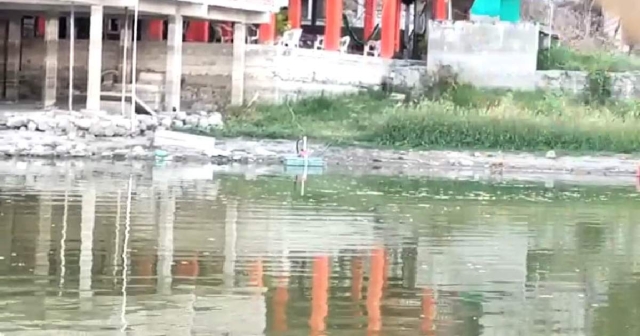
140, 88
146, 77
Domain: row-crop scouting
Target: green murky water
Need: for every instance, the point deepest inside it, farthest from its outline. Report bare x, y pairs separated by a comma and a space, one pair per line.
345, 256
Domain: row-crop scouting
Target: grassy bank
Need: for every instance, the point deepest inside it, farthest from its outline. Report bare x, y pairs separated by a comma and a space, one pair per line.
461, 118
565, 58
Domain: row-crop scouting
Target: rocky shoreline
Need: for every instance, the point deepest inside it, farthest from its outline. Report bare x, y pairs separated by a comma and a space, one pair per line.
57, 135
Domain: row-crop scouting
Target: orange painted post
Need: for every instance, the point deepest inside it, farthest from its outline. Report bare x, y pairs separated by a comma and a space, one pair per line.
155, 30
397, 29
429, 310
374, 292
295, 13
440, 9
388, 36
267, 31
279, 304
333, 24
369, 17
319, 295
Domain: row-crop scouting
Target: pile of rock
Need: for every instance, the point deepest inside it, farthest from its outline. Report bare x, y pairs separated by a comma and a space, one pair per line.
100, 124
196, 120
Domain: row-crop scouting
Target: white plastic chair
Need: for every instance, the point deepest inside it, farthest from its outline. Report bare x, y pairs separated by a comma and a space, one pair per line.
344, 44
253, 35
318, 44
291, 38
372, 48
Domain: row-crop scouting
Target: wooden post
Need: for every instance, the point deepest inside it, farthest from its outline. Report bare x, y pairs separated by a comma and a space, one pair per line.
198, 31
374, 293
396, 45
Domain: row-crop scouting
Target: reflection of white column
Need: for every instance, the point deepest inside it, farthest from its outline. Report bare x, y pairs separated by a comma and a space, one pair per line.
6, 228
43, 245
86, 240
165, 240
230, 238
44, 237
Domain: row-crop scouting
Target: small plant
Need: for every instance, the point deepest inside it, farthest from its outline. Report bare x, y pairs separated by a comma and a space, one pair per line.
598, 87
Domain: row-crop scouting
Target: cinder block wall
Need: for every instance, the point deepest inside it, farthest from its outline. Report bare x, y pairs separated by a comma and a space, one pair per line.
497, 54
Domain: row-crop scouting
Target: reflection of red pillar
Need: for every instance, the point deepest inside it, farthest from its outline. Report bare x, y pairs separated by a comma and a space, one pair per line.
255, 278
319, 295
356, 278
333, 24
40, 26
155, 30
374, 293
145, 269
295, 13
428, 310
369, 17
280, 299
440, 9
396, 44
188, 268
387, 40
267, 31
198, 31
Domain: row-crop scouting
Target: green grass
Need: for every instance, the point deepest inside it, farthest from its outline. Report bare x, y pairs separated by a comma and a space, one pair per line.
564, 58
463, 118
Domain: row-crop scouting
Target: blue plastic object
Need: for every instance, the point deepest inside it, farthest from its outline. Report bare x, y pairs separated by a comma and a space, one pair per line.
297, 161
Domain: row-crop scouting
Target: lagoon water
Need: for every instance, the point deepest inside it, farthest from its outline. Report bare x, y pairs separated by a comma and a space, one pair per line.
168, 253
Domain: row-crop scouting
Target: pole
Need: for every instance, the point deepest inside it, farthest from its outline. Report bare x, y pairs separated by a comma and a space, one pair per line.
72, 42
125, 46
134, 65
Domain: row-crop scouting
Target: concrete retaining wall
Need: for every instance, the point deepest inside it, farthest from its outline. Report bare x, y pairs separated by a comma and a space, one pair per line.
499, 54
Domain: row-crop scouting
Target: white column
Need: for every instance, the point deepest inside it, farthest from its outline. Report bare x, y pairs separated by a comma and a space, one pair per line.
49, 89
173, 76
12, 74
230, 239
95, 58
165, 240
86, 241
237, 70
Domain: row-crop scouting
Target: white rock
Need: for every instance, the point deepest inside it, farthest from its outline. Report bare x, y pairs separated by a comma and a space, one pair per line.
465, 162
182, 116
166, 122
81, 146
178, 123
16, 122
83, 124
259, 151
215, 120
192, 121
203, 122
551, 155
61, 150
32, 126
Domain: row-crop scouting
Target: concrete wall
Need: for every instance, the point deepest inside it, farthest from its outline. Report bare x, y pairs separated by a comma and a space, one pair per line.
624, 85
497, 54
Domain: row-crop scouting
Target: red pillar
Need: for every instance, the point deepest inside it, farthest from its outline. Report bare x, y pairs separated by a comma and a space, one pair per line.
198, 31
440, 9
374, 292
396, 44
333, 24
155, 30
295, 13
388, 36
319, 295
267, 31
369, 17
